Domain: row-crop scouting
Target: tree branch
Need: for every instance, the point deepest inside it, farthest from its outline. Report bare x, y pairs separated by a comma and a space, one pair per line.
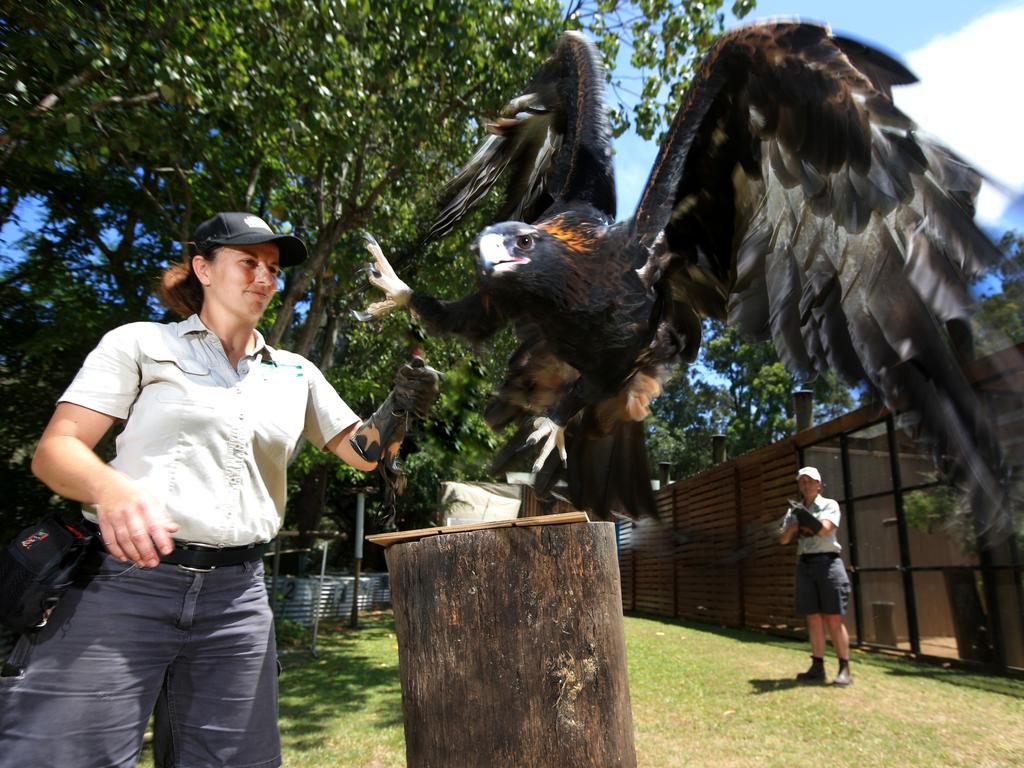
122, 101
144, 187
47, 103
250, 190
389, 178
225, 187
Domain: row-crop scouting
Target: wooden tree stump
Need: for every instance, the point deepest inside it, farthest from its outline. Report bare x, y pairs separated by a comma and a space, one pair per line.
511, 648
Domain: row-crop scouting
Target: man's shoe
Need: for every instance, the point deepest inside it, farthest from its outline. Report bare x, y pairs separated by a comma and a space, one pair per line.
814, 674
843, 678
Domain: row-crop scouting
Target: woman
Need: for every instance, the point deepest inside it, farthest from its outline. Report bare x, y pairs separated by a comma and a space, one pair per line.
173, 615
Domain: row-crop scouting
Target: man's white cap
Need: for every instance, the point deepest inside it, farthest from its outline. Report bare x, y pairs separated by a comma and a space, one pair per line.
811, 472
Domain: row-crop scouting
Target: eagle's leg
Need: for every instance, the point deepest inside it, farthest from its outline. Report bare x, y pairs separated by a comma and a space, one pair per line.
551, 428
383, 276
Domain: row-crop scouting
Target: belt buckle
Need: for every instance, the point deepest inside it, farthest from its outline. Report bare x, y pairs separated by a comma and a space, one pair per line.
193, 569
196, 569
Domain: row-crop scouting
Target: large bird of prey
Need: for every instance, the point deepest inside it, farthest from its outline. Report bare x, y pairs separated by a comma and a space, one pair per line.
789, 196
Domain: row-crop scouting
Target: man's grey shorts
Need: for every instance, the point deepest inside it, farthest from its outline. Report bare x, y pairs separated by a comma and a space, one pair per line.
196, 647
822, 585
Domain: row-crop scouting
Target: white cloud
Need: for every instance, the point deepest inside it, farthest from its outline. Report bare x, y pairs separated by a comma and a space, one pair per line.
970, 97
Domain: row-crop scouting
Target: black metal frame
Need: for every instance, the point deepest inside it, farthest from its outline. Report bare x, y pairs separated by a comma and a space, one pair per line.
986, 567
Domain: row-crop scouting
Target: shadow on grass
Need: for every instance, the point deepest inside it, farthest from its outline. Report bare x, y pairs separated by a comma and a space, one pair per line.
739, 635
897, 667
340, 680
901, 666
771, 686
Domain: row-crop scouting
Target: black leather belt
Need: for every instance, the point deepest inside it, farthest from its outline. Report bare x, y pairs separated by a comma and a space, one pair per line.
200, 557
203, 558
816, 555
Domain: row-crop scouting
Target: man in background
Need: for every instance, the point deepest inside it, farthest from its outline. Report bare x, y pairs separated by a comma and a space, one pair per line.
822, 586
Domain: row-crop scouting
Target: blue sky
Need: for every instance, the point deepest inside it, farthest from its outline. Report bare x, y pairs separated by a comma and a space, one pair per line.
969, 56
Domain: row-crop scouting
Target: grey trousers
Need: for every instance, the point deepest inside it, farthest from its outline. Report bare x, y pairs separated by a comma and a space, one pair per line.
196, 648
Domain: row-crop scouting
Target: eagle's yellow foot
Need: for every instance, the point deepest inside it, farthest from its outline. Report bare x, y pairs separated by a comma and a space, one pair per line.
549, 434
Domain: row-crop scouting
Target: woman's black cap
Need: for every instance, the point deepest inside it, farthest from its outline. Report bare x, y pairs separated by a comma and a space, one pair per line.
236, 228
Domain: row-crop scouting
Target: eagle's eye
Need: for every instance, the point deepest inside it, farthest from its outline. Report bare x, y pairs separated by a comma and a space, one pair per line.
524, 242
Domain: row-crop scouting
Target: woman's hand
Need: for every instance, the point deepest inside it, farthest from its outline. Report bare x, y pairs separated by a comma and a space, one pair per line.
133, 524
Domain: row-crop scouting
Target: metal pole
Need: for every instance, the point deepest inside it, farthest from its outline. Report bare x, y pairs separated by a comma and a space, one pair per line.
319, 592
360, 513
664, 468
717, 449
803, 407
903, 538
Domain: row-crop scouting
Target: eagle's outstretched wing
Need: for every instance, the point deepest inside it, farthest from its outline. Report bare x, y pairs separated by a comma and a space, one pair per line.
553, 141
793, 198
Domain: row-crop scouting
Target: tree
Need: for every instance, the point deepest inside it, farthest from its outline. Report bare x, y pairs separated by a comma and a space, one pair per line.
1000, 319
681, 423
737, 389
665, 38
126, 123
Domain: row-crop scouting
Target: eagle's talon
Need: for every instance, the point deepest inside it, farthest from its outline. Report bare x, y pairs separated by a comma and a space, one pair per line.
382, 276
553, 436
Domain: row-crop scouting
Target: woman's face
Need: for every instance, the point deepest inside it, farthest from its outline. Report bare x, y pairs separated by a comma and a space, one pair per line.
241, 280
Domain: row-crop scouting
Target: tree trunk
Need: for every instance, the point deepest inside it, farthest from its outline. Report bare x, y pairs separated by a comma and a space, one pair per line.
330, 341
511, 648
314, 317
327, 240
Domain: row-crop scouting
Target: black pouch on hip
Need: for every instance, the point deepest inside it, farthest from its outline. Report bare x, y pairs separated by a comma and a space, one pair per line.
37, 568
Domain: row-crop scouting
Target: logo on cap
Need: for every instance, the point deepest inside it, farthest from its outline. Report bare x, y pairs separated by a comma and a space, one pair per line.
257, 223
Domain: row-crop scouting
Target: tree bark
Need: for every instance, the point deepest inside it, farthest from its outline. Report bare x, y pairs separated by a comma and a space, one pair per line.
322, 291
511, 648
326, 241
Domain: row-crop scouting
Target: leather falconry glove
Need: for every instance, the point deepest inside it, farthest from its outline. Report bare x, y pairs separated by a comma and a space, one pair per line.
379, 438
805, 519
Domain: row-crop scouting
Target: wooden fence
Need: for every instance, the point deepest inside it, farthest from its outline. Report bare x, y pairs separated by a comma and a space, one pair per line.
713, 555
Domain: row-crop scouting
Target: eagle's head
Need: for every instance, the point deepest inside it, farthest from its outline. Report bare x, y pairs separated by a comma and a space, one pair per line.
506, 248
541, 260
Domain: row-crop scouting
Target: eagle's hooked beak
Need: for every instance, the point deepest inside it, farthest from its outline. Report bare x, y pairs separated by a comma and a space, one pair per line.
493, 255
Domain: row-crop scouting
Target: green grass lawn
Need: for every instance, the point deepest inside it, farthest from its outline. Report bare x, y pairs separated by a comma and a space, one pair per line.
700, 695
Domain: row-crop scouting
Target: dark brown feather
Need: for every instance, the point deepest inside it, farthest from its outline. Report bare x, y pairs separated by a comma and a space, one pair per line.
789, 195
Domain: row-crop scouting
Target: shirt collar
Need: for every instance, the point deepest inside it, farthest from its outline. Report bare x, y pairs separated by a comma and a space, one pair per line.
263, 349
194, 325
191, 325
